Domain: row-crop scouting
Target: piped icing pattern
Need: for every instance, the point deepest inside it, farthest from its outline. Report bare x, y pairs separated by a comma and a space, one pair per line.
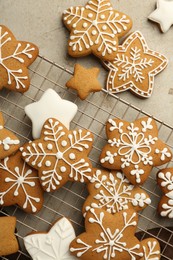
134, 148
60, 155
151, 249
134, 67
113, 192
95, 28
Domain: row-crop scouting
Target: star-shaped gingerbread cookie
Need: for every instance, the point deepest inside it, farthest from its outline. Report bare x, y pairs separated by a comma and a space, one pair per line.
50, 105
95, 29
113, 192
15, 57
163, 14
9, 143
108, 237
134, 148
20, 184
51, 245
8, 241
134, 67
84, 81
60, 155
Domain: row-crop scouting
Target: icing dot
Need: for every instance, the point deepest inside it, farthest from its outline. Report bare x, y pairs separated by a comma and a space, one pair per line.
95, 23
63, 169
94, 32
90, 15
72, 156
49, 146
64, 143
48, 163
102, 16
104, 27
85, 25
59, 155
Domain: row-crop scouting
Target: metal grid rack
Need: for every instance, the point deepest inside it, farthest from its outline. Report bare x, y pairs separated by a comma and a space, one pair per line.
92, 114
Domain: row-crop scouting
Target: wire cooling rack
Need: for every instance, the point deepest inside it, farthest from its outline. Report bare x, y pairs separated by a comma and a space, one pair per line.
92, 114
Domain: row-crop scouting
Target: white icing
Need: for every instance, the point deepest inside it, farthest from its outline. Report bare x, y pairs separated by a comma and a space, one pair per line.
147, 125
137, 173
109, 241
114, 193
164, 153
78, 144
96, 21
48, 163
51, 105
14, 75
163, 14
150, 250
130, 70
64, 143
20, 178
54, 244
49, 146
7, 142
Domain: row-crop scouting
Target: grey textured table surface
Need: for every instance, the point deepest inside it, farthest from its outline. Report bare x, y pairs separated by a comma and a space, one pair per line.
40, 22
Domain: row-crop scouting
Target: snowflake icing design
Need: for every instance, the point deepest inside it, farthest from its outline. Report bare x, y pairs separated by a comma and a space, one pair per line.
95, 28
110, 244
113, 192
60, 155
21, 56
134, 67
19, 180
151, 249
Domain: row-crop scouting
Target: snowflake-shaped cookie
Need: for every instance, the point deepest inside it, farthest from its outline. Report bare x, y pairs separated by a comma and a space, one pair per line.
107, 237
134, 67
134, 148
9, 143
113, 192
20, 184
95, 29
15, 57
165, 181
151, 249
60, 155
53, 245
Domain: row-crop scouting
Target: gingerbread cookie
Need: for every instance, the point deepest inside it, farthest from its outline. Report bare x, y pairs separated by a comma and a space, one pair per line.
165, 181
95, 29
51, 245
134, 148
9, 143
134, 67
163, 14
8, 242
151, 248
50, 105
84, 81
107, 237
15, 57
113, 192
20, 184
60, 155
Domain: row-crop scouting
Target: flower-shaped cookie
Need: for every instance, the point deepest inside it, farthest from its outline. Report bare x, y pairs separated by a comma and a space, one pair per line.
113, 192
165, 181
134, 148
19, 184
51, 245
9, 143
107, 237
95, 29
134, 67
60, 155
15, 57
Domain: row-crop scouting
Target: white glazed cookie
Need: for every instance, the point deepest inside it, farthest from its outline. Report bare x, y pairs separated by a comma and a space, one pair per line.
95, 29
134, 67
113, 192
108, 237
60, 155
20, 184
15, 57
9, 143
134, 148
163, 14
151, 248
53, 245
165, 181
50, 105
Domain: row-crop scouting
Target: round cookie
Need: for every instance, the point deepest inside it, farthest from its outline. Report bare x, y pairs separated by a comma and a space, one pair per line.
134, 148
95, 29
